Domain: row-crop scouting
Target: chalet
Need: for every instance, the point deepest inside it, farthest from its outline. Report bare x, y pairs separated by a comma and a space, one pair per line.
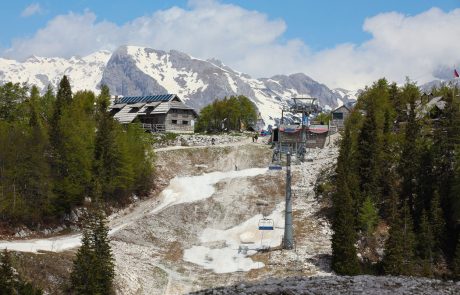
156, 113
339, 115
429, 106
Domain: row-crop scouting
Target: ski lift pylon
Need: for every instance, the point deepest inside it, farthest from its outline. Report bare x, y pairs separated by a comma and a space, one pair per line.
266, 224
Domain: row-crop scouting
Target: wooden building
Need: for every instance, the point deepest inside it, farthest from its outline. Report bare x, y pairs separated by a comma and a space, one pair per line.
339, 115
156, 113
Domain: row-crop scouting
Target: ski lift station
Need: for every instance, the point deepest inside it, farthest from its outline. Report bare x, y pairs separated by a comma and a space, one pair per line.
296, 133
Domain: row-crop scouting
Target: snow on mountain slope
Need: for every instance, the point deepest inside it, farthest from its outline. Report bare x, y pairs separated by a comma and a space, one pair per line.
144, 71
132, 70
84, 73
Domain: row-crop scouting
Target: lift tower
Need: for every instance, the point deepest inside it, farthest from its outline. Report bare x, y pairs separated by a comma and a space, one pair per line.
292, 139
288, 240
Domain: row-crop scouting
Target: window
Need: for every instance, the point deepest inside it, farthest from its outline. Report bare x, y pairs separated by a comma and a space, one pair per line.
184, 122
337, 116
134, 110
174, 122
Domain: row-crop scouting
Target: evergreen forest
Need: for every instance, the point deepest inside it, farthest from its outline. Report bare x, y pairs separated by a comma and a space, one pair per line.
397, 184
58, 149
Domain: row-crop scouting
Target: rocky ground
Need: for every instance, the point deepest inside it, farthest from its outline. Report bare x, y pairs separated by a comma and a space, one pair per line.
193, 140
207, 204
334, 285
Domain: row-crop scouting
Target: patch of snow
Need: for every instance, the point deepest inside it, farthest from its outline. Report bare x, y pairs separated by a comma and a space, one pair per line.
194, 188
162, 70
231, 82
339, 102
52, 244
228, 259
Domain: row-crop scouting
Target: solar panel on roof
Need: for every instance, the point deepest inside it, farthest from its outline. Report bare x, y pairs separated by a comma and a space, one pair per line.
146, 99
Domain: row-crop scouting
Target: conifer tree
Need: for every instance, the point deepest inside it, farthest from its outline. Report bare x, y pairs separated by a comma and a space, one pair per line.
438, 223
10, 282
36, 178
399, 248
425, 244
410, 156
7, 276
82, 277
344, 259
75, 153
368, 217
106, 152
46, 104
368, 155
63, 101
93, 269
104, 266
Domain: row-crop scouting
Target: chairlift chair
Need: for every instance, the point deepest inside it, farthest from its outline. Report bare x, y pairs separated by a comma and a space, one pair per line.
266, 224
275, 167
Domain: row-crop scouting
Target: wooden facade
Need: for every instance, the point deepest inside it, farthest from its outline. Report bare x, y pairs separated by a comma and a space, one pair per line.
339, 115
157, 113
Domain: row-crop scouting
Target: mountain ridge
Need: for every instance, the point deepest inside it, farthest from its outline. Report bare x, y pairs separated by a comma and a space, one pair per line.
134, 70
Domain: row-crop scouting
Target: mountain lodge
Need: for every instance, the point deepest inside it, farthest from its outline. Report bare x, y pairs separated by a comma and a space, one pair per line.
156, 113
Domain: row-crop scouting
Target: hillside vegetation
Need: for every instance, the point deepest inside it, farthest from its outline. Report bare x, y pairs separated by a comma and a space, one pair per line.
233, 113
57, 150
399, 168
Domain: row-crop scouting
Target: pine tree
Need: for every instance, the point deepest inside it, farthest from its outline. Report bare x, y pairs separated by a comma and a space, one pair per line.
399, 248
425, 244
83, 280
106, 151
104, 266
368, 217
344, 256
410, 156
7, 276
368, 155
438, 223
36, 178
63, 101
93, 269
47, 102
73, 157
10, 282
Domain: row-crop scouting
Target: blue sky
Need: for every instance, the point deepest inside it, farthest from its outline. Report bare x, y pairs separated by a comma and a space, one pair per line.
321, 24
296, 35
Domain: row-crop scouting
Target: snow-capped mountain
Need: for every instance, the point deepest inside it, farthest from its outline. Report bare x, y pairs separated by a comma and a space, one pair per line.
84, 72
142, 71
132, 70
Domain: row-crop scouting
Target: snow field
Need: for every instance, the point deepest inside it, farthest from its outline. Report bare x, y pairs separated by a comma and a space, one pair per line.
228, 259
180, 190
195, 188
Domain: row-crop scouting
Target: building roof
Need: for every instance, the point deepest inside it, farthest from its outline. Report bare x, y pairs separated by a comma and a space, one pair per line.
423, 109
340, 107
145, 99
132, 106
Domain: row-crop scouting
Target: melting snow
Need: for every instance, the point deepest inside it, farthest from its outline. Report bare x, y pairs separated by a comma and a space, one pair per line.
180, 190
194, 188
229, 258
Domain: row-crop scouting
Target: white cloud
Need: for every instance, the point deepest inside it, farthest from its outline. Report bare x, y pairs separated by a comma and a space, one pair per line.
32, 9
399, 46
